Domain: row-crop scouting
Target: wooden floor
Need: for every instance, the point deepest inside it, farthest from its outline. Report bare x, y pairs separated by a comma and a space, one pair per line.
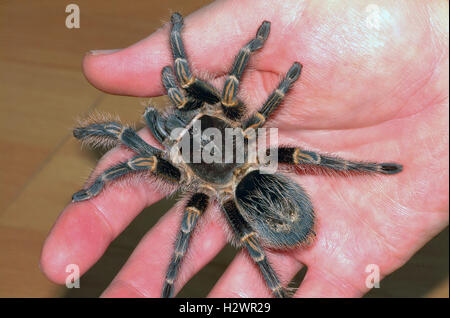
42, 91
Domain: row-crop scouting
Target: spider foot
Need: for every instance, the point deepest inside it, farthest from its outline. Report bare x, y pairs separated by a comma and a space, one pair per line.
280, 292
81, 195
389, 168
167, 290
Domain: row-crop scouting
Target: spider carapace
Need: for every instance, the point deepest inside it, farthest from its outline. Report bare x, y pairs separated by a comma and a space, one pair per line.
263, 210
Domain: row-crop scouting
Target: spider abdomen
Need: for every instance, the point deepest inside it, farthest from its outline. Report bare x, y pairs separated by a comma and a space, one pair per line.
278, 209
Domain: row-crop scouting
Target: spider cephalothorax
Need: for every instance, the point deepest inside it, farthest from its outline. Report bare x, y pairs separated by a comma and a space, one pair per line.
262, 210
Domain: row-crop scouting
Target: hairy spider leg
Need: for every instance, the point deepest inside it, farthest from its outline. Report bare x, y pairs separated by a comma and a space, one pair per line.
195, 207
259, 118
176, 95
298, 156
154, 164
249, 238
106, 132
232, 107
196, 88
156, 123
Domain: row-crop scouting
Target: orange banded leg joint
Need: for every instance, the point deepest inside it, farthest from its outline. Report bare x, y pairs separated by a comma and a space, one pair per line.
176, 94
250, 240
195, 207
275, 99
231, 106
297, 156
261, 120
152, 164
196, 88
107, 133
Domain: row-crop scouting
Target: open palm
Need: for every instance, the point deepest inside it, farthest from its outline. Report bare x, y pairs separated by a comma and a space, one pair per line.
374, 87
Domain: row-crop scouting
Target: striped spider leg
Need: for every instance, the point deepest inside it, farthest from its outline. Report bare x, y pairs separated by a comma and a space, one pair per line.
249, 239
195, 207
232, 107
149, 158
196, 88
259, 118
298, 156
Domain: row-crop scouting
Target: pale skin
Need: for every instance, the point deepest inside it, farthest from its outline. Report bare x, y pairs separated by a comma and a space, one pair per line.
366, 92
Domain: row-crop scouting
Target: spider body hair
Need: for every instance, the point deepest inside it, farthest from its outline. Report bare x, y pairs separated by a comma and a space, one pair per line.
278, 208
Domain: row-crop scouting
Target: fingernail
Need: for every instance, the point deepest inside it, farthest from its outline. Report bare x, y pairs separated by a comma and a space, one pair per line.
103, 52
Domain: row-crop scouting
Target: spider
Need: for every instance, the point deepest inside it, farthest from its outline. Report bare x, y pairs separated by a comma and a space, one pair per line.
263, 210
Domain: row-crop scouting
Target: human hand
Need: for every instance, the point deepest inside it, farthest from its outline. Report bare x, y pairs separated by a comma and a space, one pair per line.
365, 93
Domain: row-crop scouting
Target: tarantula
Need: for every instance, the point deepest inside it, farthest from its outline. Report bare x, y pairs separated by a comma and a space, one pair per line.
263, 210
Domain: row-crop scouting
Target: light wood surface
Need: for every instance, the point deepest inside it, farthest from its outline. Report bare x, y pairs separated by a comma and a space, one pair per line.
42, 91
